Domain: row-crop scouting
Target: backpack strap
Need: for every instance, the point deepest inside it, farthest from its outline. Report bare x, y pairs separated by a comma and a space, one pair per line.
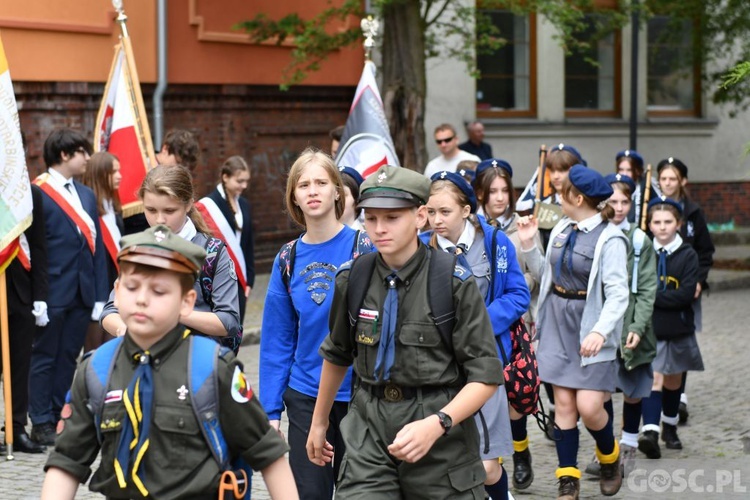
638, 240
442, 268
97, 375
213, 248
286, 263
360, 274
203, 384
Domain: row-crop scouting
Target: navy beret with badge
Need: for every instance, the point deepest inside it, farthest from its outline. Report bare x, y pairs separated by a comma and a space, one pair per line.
394, 187
159, 247
663, 200
675, 162
632, 154
589, 182
460, 183
571, 150
351, 172
625, 179
494, 163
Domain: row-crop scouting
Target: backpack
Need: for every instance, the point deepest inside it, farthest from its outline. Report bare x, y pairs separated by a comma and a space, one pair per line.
213, 248
203, 384
362, 245
439, 279
520, 371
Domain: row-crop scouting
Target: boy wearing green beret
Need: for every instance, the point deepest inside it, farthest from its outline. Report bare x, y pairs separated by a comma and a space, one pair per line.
408, 433
149, 433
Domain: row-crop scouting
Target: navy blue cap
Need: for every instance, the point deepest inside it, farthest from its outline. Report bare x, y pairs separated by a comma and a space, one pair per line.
612, 178
460, 183
353, 174
571, 150
465, 172
494, 163
663, 200
589, 182
676, 162
632, 154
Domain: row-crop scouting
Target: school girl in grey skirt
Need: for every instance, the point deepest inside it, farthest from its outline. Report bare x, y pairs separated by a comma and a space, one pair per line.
582, 299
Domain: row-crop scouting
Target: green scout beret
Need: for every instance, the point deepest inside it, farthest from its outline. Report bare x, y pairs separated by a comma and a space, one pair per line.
159, 247
394, 187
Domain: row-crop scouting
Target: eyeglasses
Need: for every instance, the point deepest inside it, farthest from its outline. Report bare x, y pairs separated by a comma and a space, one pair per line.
446, 140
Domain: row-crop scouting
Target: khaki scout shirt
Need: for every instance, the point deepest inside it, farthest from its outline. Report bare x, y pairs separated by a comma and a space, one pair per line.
178, 463
422, 358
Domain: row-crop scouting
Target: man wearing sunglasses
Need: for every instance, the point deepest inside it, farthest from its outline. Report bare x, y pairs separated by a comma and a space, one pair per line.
446, 139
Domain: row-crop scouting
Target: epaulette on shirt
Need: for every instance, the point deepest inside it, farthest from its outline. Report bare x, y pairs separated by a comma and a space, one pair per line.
461, 272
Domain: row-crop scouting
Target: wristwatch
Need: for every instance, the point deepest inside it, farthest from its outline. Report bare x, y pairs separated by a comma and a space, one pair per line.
446, 422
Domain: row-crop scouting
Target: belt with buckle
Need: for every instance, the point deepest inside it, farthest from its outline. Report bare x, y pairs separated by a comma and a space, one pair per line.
394, 393
569, 294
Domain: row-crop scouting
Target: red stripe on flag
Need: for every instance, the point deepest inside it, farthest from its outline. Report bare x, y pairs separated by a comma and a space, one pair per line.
374, 168
123, 143
8, 254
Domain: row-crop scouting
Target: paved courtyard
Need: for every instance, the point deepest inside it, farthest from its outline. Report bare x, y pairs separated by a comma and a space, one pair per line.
715, 461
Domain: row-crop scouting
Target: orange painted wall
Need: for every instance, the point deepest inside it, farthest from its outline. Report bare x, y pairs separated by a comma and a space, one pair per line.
72, 40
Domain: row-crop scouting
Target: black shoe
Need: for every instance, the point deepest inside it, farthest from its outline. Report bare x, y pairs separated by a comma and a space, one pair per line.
523, 474
568, 488
23, 443
44, 434
669, 436
550, 434
683, 413
648, 443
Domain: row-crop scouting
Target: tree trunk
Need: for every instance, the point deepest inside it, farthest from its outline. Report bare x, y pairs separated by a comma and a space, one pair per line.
404, 80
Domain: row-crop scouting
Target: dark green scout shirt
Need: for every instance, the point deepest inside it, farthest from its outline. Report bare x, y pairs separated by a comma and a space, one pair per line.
422, 358
178, 463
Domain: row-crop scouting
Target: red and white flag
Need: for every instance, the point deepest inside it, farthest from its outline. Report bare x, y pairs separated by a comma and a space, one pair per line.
366, 143
122, 128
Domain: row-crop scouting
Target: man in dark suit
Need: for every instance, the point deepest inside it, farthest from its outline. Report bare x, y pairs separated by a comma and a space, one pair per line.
27, 292
77, 278
476, 145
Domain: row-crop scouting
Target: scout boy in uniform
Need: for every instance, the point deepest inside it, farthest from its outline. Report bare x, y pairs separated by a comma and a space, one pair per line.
408, 432
148, 432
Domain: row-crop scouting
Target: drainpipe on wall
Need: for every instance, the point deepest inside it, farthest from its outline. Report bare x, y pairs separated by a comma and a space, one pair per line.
161, 85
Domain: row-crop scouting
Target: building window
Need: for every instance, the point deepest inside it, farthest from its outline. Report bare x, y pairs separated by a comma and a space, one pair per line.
673, 86
507, 85
592, 74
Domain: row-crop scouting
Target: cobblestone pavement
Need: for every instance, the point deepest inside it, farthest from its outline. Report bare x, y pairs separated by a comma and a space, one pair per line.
714, 463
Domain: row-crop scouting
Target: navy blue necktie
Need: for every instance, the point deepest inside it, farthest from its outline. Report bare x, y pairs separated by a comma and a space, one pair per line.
387, 347
661, 269
138, 399
460, 251
567, 248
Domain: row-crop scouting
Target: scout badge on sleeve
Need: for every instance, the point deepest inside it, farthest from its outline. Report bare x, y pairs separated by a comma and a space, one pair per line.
241, 390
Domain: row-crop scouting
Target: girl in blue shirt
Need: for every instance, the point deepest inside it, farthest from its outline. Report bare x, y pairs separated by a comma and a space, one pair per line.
450, 211
295, 316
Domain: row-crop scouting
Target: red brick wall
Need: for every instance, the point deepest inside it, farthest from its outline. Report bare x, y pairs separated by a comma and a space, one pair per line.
264, 125
723, 201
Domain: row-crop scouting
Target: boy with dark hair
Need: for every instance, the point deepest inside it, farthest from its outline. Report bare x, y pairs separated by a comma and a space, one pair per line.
149, 424
77, 269
179, 147
408, 432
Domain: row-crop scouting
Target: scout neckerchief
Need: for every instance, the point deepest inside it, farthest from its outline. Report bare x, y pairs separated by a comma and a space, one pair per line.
663, 252
221, 229
138, 399
76, 213
387, 348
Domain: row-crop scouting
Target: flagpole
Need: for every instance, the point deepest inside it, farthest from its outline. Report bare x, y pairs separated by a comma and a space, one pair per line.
143, 130
5, 343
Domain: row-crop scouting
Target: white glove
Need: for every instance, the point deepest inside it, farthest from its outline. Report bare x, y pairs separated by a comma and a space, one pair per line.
40, 313
96, 312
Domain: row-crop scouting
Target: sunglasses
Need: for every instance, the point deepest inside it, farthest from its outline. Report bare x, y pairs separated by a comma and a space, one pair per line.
445, 141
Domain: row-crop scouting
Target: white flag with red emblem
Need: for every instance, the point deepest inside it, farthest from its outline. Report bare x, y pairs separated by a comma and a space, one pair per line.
366, 143
122, 128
